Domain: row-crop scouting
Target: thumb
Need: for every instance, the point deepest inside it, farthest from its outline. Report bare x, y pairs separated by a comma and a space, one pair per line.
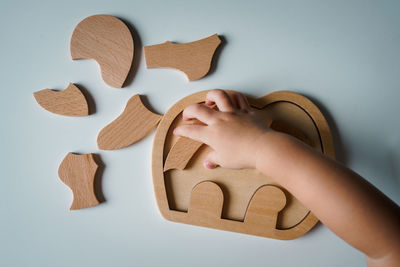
211, 160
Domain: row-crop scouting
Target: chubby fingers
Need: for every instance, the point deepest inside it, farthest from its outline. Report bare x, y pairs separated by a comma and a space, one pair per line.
221, 99
200, 112
240, 101
192, 131
228, 102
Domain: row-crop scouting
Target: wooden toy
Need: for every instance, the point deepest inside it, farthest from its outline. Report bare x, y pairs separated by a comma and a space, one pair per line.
78, 172
180, 154
70, 102
107, 40
243, 201
135, 122
194, 58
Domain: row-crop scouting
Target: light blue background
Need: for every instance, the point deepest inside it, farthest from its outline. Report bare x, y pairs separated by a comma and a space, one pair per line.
345, 55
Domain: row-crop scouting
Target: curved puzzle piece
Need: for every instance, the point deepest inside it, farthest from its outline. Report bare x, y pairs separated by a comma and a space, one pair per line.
107, 40
264, 206
194, 58
135, 122
181, 152
206, 201
70, 102
78, 172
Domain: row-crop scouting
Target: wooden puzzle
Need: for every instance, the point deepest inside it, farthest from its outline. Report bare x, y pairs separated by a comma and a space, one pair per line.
107, 40
70, 102
180, 154
194, 58
243, 201
78, 172
135, 122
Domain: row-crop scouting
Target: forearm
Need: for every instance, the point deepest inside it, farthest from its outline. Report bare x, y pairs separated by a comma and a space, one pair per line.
345, 202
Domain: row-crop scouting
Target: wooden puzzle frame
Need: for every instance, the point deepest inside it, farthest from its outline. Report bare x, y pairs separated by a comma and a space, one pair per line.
207, 198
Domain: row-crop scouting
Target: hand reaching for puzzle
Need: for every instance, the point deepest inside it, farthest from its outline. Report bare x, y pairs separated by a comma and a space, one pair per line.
240, 139
234, 131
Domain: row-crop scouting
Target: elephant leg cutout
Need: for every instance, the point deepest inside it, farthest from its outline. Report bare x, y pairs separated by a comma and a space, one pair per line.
206, 202
264, 206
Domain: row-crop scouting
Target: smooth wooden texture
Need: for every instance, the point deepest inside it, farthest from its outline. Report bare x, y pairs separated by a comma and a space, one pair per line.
181, 153
107, 40
174, 188
207, 200
194, 58
135, 122
78, 172
264, 207
70, 102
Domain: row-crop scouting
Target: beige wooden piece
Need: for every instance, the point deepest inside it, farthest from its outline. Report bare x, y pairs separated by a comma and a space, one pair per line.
70, 102
107, 40
181, 153
242, 190
78, 172
194, 58
135, 122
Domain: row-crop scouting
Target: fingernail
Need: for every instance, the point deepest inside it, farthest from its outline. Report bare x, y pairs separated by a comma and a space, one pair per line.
209, 165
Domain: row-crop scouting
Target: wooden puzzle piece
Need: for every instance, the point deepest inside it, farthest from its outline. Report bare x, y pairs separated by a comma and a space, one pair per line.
107, 40
181, 153
135, 122
70, 102
194, 58
264, 206
78, 173
253, 203
206, 202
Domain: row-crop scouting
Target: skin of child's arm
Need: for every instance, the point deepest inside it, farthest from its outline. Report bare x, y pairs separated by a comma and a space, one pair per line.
345, 202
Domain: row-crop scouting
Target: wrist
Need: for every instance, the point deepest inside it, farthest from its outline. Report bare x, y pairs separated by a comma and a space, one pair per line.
269, 151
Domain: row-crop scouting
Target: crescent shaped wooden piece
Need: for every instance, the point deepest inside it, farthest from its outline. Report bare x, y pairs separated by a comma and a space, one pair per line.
194, 58
78, 173
135, 122
181, 153
70, 102
107, 40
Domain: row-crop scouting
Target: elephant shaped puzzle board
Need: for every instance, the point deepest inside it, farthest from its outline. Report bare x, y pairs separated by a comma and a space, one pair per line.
243, 201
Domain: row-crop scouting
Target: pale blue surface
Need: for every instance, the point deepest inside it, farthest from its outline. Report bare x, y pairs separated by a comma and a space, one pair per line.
343, 54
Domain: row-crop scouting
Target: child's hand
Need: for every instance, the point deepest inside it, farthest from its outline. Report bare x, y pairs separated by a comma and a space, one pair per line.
233, 131
345, 202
